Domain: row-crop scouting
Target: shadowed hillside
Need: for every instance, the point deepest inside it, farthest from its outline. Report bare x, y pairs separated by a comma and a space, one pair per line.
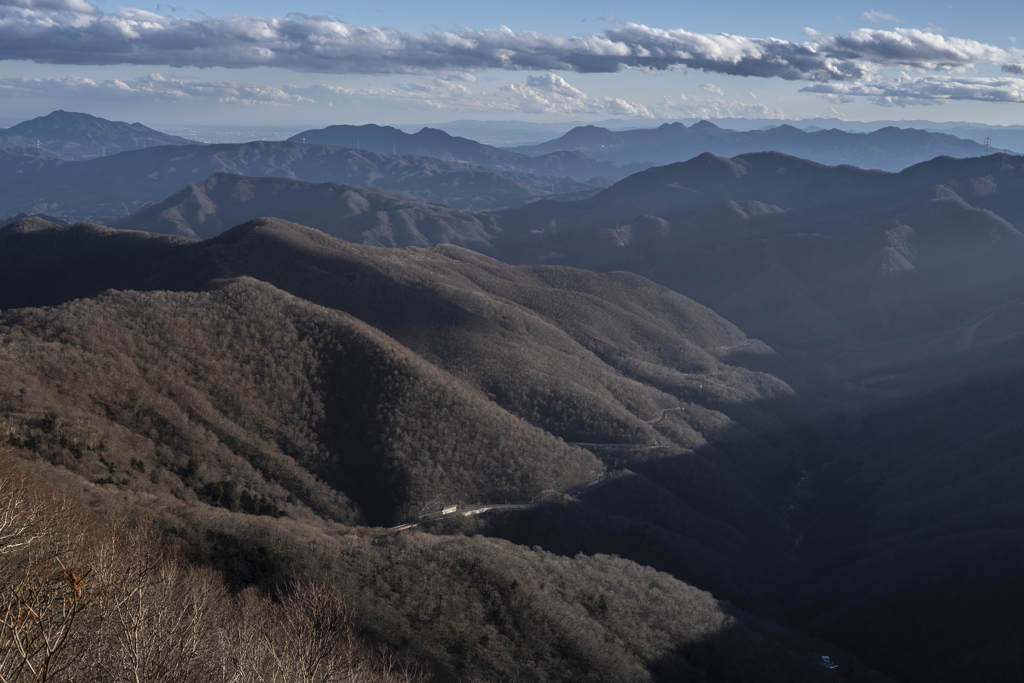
816, 261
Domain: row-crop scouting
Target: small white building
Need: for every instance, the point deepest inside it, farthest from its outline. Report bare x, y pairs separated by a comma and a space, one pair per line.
449, 509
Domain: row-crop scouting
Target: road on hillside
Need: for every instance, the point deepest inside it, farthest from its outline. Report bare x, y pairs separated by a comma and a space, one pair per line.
507, 507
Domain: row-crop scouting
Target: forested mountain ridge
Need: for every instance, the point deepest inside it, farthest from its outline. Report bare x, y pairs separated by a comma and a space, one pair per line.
508, 332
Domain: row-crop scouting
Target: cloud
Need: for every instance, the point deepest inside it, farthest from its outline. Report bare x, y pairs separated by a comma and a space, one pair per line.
539, 95
74, 32
53, 5
1014, 69
713, 89
551, 94
925, 90
878, 17
320, 44
684, 107
912, 48
152, 88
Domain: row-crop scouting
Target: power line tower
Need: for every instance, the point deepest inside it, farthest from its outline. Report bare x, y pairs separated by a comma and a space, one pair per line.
988, 146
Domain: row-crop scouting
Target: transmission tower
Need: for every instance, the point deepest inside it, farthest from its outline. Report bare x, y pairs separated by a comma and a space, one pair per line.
988, 146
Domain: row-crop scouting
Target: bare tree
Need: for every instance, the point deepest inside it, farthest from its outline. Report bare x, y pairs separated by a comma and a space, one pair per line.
37, 630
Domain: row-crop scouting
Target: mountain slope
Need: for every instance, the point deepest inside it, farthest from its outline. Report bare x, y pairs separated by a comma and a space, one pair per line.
75, 136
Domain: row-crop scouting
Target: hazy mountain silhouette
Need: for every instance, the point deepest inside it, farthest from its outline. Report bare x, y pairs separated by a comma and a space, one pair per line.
111, 188
357, 214
437, 143
890, 149
72, 135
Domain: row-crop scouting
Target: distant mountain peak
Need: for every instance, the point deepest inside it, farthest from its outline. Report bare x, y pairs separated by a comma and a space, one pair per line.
76, 135
704, 124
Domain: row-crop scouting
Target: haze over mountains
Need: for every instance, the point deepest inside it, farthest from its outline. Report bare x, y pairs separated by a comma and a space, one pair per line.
436, 143
111, 188
457, 172
890, 149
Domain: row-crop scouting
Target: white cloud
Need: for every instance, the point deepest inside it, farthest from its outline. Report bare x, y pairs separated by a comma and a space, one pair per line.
152, 88
925, 90
905, 47
688, 108
878, 17
539, 95
551, 94
713, 89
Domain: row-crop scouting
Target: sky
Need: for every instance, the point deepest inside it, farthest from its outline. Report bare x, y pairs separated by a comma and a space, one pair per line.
310, 62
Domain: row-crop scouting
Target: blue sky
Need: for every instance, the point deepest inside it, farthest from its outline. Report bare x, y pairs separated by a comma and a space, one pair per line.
314, 63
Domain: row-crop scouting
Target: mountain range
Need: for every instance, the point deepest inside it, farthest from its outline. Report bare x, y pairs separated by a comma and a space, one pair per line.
815, 260
436, 143
110, 188
834, 259
775, 417
890, 149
